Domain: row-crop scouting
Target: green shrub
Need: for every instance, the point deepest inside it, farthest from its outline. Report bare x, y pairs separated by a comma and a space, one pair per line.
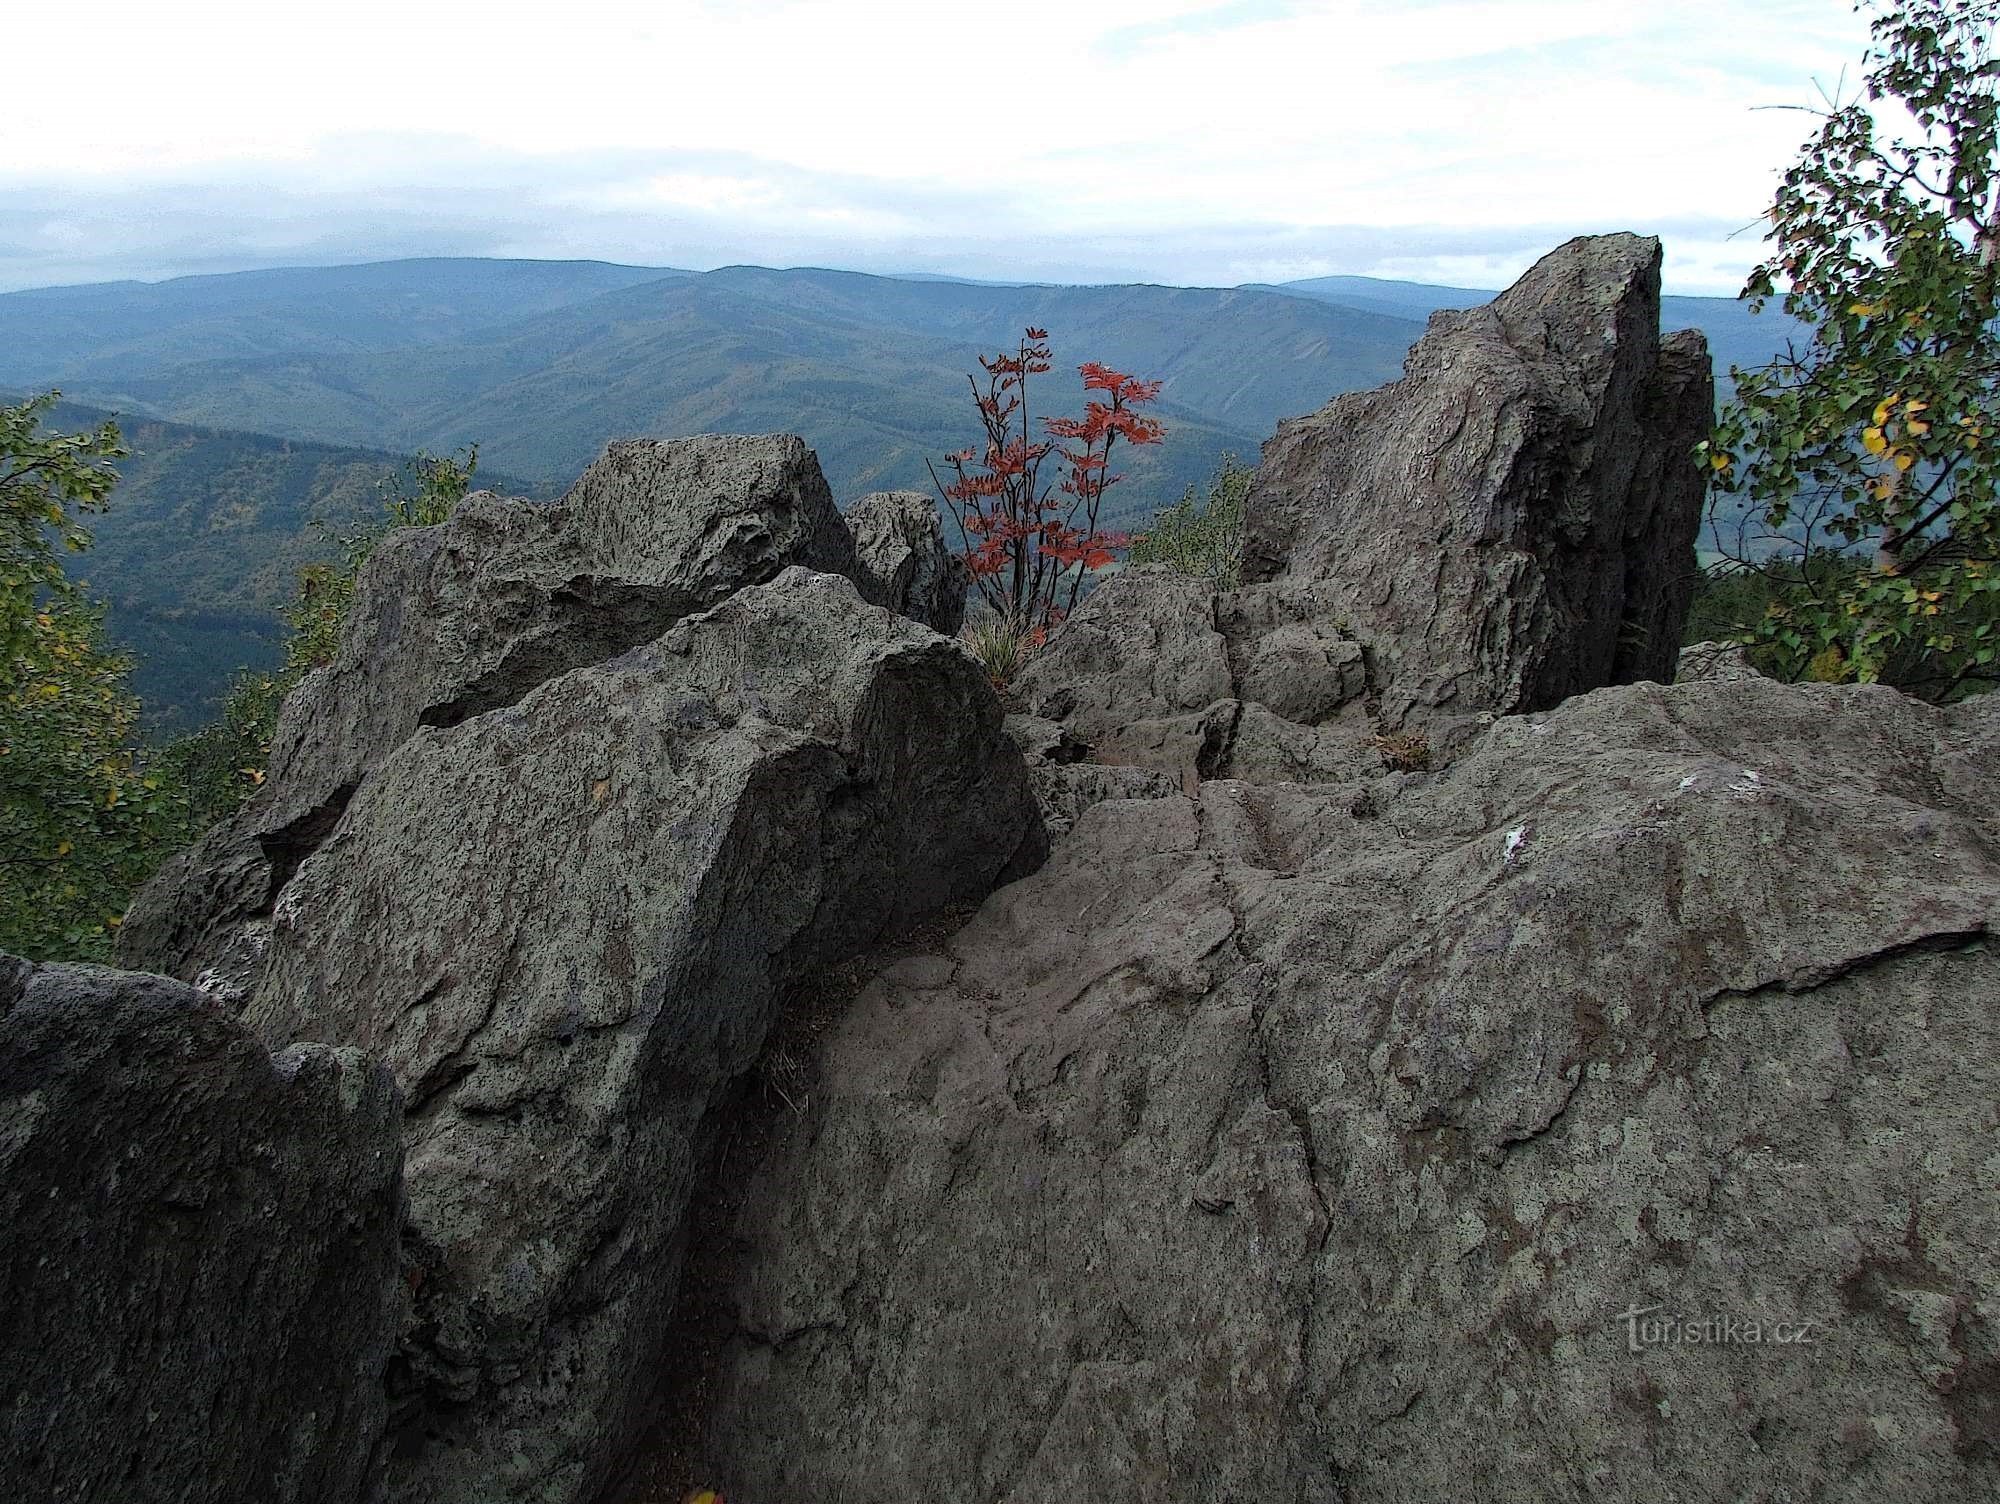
84, 815
1202, 540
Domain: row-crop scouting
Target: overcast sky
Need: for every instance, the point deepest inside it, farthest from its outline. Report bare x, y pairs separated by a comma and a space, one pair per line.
1179, 141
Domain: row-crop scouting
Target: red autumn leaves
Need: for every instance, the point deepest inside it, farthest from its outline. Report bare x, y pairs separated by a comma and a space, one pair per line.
1028, 546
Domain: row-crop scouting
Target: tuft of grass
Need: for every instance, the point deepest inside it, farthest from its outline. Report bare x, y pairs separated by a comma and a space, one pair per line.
1002, 647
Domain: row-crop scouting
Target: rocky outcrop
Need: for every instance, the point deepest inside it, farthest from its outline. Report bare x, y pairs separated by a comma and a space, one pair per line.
1512, 523
569, 925
1395, 1088
469, 616
1608, 1117
902, 561
198, 1250
1509, 524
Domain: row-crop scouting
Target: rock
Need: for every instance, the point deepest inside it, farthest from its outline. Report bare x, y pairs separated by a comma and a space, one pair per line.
1704, 661
1139, 673
1358, 1142
198, 1250
903, 562
1513, 521
1159, 670
469, 616
1065, 784
569, 925
1510, 524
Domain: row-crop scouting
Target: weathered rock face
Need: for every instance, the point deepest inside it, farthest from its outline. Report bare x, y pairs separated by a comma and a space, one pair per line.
1355, 1143
1065, 784
902, 561
568, 925
1713, 660
1158, 670
453, 620
198, 1250
1510, 524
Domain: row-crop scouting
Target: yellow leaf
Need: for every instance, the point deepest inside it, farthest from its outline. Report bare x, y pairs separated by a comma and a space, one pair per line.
1903, 459
1718, 462
1916, 405
64, 848
703, 1496
1882, 408
1873, 441
114, 920
1918, 427
1883, 487
1829, 666
1864, 310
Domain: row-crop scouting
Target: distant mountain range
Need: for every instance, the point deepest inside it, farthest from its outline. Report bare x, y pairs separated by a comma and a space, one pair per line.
258, 400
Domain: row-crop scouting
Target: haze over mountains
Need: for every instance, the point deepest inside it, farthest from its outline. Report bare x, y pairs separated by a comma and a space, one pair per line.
540, 363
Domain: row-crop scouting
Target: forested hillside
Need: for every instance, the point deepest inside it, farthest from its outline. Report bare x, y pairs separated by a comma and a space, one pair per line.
203, 542
869, 370
541, 363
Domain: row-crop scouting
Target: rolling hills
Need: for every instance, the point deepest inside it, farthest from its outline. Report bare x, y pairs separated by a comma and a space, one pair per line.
258, 401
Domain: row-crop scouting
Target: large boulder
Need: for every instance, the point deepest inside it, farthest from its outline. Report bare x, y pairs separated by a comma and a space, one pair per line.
1513, 521
1509, 524
199, 1262
901, 559
569, 925
1608, 1117
471, 615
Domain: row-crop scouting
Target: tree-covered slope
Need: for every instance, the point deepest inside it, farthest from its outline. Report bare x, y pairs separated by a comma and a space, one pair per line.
870, 370
202, 543
109, 330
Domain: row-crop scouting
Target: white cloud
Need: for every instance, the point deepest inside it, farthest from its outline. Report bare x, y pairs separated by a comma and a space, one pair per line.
910, 125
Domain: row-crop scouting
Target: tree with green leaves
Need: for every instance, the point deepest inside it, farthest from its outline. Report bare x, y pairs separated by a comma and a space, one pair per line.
83, 818
1877, 440
1202, 536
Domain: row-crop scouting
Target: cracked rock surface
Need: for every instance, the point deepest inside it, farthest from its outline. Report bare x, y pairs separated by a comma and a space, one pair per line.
568, 925
1340, 1143
901, 559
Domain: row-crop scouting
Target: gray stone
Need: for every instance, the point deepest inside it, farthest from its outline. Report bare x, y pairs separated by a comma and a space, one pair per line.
199, 1262
1701, 661
1138, 673
1510, 524
1333, 1143
1513, 521
1157, 669
471, 615
901, 559
569, 924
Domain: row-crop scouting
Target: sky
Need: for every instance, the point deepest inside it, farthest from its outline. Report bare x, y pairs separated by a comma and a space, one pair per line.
1175, 141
